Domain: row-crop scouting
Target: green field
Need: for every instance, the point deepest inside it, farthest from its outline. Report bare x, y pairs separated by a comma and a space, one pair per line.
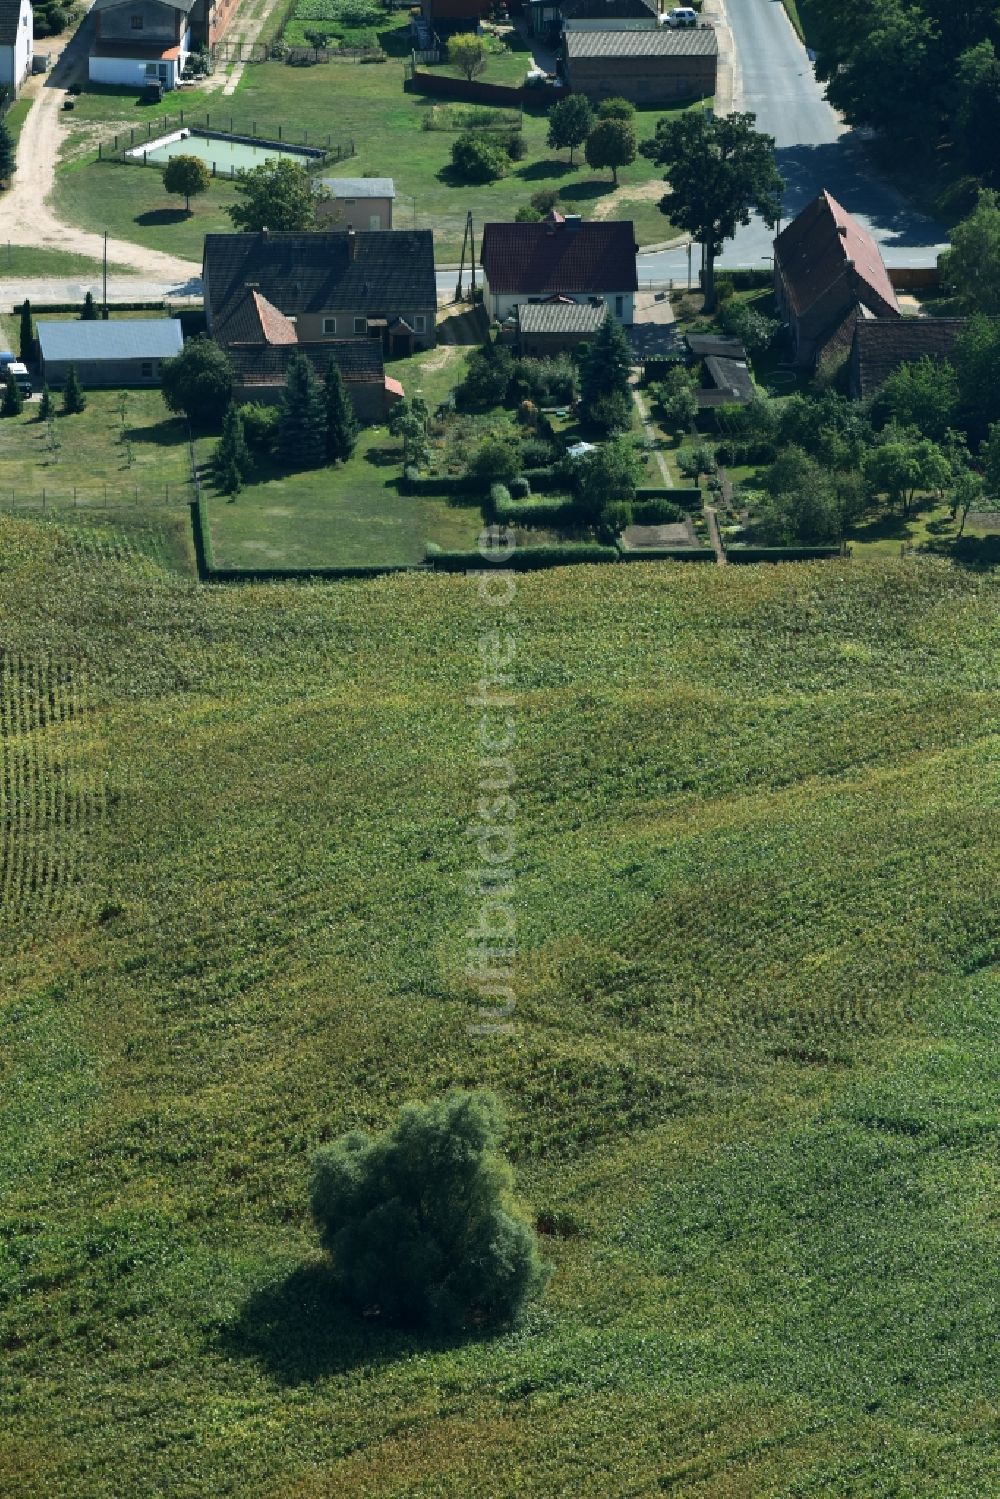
348, 101
755, 1062
96, 460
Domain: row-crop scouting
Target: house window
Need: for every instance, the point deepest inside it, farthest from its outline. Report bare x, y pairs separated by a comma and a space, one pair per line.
146, 369
619, 306
329, 325
419, 323
135, 22
361, 325
152, 70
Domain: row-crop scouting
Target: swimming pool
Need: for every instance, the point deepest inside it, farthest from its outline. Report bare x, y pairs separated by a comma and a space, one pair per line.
225, 154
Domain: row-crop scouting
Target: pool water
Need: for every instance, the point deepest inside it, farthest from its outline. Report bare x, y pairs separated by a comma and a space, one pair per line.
227, 154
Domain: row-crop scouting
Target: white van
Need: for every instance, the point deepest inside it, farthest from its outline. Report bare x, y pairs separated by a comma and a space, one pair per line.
20, 373
681, 15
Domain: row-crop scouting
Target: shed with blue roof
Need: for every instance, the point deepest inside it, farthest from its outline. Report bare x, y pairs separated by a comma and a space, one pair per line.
122, 351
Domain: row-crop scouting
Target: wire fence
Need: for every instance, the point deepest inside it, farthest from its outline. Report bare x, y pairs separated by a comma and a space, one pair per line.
227, 128
108, 497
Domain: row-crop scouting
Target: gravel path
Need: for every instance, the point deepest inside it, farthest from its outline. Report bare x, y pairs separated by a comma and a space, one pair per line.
27, 216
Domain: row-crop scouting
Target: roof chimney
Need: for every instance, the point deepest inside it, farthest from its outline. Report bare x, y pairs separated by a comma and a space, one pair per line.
264, 232
573, 221
842, 230
352, 244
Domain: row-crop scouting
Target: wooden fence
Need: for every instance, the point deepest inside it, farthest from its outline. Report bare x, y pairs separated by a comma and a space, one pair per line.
478, 92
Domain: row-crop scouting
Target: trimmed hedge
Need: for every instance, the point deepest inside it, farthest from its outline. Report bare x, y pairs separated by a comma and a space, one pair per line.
537, 513
658, 512
688, 497
667, 554
544, 480
438, 484
782, 554
112, 307
524, 559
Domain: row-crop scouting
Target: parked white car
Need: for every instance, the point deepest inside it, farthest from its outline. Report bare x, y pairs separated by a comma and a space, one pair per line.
681, 15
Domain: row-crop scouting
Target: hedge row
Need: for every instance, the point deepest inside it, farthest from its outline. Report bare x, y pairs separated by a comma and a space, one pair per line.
77, 306
523, 559
536, 513
688, 497
667, 554
437, 484
781, 554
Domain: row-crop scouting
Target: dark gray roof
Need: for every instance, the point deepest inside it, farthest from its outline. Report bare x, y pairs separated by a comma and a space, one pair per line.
730, 376
720, 344
360, 187
184, 5
120, 338
359, 360
392, 270
560, 317
612, 10
693, 41
881, 345
10, 16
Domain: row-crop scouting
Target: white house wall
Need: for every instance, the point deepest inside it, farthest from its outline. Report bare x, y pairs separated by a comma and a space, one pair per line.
15, 61
500, 305
129, 72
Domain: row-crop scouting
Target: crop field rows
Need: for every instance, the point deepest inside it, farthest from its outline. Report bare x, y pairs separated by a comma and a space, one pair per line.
49, 810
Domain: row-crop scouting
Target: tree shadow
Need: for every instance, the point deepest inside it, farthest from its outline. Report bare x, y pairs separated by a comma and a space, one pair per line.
585, 191
383, 457
299, 1333
551, 167
163, 434
154, 216
977, 553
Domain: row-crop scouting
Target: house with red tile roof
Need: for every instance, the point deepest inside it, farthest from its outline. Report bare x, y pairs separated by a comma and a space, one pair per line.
568, 258
827, 270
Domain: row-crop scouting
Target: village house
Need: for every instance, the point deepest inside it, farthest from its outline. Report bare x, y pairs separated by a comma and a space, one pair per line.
591, 262
348, 295
650, 67
17, 32
137, 42
356, 203
828, 277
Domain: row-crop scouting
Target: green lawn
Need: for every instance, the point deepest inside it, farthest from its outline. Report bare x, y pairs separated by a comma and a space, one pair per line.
92, 458
754, 1074
365, 104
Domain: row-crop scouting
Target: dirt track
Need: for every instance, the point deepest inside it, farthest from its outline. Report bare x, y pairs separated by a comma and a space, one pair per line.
27, 216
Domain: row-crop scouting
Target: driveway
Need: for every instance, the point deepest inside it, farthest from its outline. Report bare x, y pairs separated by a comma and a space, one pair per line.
775, 80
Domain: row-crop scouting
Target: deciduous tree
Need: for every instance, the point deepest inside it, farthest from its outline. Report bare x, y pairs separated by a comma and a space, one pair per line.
186, 177
720, 171
198, 382
277, 195
570, 122
467, 53
972, 265
419, 1221
611, 143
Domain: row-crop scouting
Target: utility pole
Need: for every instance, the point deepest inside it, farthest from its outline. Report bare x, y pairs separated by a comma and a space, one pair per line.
689, 248
105, 275
467, 239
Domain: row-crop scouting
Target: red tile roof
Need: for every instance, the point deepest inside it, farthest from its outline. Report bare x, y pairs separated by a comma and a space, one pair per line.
275, 327
567, 256
824, 246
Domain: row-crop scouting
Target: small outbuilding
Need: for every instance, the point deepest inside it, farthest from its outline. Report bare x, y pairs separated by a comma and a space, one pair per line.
554, 327
651, 68
125, 351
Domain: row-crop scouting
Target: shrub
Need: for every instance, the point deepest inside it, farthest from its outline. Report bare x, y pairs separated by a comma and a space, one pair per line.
419, 1222
260, 426
546, 382
658, 512
499, 499
615, 109
743, 321
514, 145
536, 452
611, 413
487, 378
477, 158
696, 460
520, 488
617, 516
496, 460
725, 288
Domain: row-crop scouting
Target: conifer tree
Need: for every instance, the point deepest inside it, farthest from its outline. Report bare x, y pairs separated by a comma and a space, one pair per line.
89, 313
46, 406
74, 399
8, 155
13, 400
27, 339
604, 369
302, 426
231, 459
341, 423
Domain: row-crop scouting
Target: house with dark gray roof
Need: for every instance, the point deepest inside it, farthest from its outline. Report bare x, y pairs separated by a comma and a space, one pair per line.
356, 202
567, 257
17, 32
609, 15
882, 345
122, 351
649, 67
328, 284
